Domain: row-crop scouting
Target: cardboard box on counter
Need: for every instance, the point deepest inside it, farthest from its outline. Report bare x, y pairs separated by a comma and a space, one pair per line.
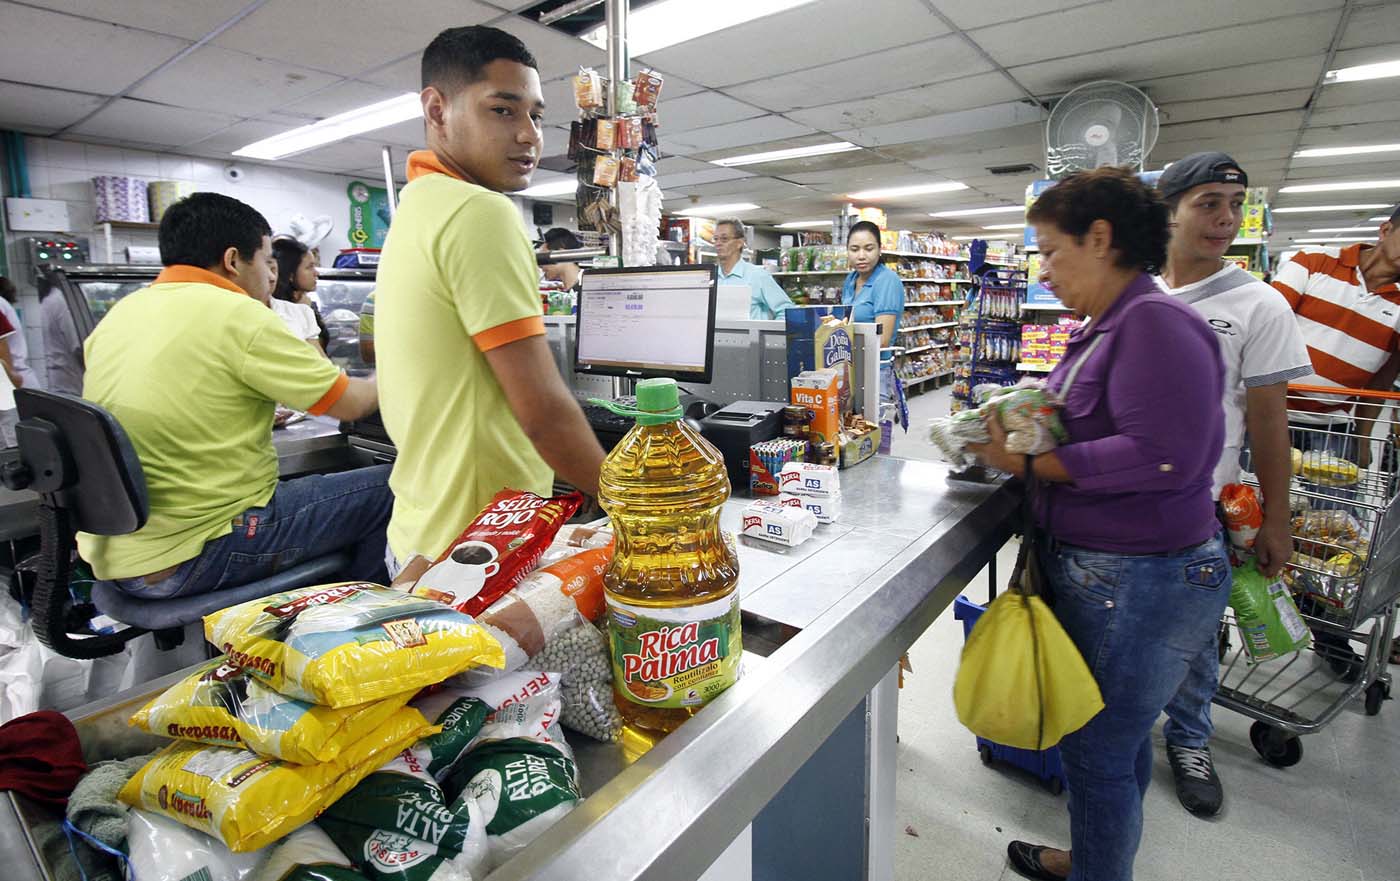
856, 448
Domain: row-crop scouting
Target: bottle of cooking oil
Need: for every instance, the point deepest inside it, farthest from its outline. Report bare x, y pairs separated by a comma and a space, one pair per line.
673, 607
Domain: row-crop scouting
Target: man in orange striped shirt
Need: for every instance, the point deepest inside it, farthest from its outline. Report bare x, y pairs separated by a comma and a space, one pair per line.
1348, 308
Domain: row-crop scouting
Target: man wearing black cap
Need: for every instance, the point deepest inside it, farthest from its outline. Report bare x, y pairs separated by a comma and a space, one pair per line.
1263, 350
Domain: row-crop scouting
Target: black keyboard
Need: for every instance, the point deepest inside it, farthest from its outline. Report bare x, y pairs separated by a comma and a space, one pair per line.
603, 420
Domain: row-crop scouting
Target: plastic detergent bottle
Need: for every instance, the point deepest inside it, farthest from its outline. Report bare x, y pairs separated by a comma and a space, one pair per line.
673, 606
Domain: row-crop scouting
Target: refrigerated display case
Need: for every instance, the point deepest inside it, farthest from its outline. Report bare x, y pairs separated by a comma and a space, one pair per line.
92, 290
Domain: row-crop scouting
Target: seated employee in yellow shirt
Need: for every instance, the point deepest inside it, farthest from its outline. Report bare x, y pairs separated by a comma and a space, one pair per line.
767, 300
471, 395
192, 368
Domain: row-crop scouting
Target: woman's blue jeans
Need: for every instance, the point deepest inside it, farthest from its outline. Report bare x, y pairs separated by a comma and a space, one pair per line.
1139, 621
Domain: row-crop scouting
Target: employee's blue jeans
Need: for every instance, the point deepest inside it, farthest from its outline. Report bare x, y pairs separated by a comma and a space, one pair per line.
1140, 622
306, 518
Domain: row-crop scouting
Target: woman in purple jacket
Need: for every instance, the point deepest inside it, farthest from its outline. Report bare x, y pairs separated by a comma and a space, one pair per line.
1133, 554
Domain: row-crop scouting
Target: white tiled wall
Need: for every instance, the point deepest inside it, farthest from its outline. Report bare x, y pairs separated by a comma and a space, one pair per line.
64, 170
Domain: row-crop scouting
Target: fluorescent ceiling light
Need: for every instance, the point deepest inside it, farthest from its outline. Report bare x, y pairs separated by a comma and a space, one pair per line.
915, 190
997, 235
1342, 185
1341, 240
1363, 72
550, 188
973, 212
794, 153
1006, 226
668, 22
1381, 218
803, 224
336, 128
1300, 209
1346, 229
718, 210
1313, 152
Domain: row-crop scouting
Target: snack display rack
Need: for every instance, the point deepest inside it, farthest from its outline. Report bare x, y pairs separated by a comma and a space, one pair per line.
1344, 577
989, 336
936, 288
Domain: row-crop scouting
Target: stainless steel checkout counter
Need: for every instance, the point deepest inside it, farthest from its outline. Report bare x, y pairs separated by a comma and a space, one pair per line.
789, 774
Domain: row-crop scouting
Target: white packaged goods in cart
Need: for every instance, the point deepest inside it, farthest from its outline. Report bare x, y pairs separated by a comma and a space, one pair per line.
778, 524
809, 478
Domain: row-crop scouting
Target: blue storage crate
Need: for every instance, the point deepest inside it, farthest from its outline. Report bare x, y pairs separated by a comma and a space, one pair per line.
1044, 764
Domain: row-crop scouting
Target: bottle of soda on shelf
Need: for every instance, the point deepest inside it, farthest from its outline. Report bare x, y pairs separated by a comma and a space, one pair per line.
673, 603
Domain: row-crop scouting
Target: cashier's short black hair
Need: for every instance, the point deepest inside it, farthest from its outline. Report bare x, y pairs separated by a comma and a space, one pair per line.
198, 229
1134, 210
560, 239
864, 226
456, 57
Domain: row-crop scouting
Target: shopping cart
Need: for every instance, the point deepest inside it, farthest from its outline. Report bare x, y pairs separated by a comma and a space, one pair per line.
1344, 577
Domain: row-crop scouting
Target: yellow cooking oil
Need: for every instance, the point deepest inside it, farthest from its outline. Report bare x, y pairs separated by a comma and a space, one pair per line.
673, 603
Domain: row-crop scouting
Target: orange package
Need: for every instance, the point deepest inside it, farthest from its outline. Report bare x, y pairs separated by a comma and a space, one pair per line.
820, 392
1243, 514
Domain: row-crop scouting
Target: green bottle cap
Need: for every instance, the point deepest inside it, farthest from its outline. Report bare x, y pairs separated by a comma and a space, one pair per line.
658, 402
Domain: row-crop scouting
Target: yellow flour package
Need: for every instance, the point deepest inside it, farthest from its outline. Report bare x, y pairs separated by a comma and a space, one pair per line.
345, 644
223, 705
247, 801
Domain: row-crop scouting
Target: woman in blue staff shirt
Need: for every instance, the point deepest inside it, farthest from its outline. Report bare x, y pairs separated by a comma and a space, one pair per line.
873, 292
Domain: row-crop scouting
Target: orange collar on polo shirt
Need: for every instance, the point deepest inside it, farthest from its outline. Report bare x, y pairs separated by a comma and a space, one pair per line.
182, 274
421, 162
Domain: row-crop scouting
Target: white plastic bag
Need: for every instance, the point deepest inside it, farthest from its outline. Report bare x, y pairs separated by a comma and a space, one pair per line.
161, 849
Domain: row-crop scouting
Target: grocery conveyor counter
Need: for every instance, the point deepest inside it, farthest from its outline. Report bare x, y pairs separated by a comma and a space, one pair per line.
790, 773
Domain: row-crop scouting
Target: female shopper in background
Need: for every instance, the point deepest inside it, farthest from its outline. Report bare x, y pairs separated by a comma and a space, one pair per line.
296, 277
874, 292
1131, 549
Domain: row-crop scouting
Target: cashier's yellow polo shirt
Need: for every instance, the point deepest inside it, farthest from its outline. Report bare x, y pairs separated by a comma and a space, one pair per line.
457, 278
192, 368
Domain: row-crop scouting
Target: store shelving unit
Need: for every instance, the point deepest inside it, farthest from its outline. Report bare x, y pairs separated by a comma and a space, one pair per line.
916, 254
982, 327
106, 227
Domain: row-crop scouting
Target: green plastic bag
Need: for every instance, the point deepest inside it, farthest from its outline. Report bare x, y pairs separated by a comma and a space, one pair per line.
1022, 681
1269, 622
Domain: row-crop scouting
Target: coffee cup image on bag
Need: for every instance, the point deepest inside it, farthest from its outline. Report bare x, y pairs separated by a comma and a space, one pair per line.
461, 574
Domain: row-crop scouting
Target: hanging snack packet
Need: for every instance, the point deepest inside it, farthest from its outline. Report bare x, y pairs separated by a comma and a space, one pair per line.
605, 171
605, 134
222, 705
1268, 620
1243, 515
247, 801
588, 89
646, 90
400, 823
498, 549
347, 644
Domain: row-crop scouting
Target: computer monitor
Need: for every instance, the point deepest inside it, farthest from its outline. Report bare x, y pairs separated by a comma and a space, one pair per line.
647, 321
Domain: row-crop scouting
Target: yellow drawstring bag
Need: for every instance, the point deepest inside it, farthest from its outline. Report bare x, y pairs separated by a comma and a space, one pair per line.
1022, 681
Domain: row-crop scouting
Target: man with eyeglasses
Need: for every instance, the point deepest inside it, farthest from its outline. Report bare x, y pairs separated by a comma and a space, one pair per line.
767, 300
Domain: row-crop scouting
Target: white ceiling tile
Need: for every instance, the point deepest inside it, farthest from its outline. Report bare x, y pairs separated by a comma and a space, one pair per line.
404, 75
1246, 79
344, 95
1192, 111
407, 134
704, 176
977, 90
674, 86
1385, 107
800, 38
1221, 130
1377, 25
962, 122
939, 59
701, 110
734, 134
850, 178
969, 14
231, 82
558, 53
1367, 55
1300, 37
32, 109
240, 134
1098, 27
51, 49
1362, 167
679, 164
347, 36
178, 18
1365, 132
133, 120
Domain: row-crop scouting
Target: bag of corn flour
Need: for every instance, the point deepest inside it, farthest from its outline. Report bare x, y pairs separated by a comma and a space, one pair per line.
346, 644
